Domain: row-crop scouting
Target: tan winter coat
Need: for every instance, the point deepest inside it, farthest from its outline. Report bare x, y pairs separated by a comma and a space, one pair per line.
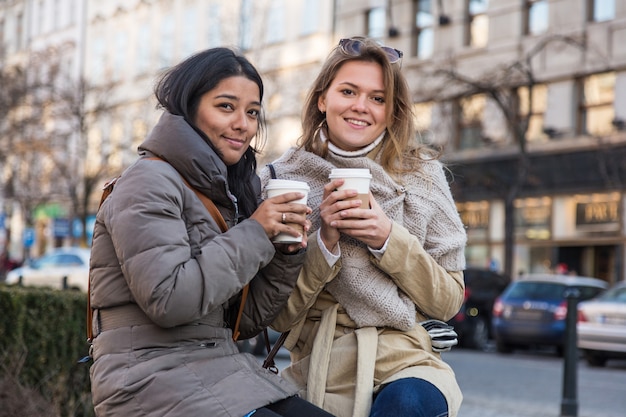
337, 364
165, 287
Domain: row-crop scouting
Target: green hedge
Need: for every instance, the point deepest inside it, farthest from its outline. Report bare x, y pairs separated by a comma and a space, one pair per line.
42, 337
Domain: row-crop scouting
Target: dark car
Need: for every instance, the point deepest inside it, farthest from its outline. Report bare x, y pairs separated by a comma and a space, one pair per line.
473, 322
532, 310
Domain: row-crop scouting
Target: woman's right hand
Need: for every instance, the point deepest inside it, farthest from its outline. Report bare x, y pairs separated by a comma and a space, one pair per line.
271, 213
333, 202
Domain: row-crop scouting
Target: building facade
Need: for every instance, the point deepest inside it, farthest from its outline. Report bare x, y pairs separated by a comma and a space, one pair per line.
525, 98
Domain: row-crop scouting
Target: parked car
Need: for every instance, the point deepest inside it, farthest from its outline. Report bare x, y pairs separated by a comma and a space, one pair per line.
532, 310
62, 268
602, 326
473, 321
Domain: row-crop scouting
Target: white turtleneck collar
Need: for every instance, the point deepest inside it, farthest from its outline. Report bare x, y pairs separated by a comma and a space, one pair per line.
359, 152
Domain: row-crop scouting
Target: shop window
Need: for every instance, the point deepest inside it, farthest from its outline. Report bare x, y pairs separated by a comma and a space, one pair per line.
532, 218
597, 95
477, 255
376, 22
470, 126
601, 10
597, 213
536, 16
424, 29
531, 109
478, 23
475, 217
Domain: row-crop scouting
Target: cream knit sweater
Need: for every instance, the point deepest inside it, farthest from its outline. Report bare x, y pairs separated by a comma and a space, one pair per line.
422, 203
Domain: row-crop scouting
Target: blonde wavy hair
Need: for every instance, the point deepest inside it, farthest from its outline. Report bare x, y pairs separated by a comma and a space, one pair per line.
401, 150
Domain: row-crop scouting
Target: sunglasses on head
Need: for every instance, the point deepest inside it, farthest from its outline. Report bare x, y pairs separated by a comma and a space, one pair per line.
353, 47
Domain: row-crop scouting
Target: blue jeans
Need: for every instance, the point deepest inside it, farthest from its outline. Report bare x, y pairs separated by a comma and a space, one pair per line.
409, 397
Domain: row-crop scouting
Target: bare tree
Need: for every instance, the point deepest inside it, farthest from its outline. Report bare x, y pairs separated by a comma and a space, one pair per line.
44, 139
444, 83
79, 105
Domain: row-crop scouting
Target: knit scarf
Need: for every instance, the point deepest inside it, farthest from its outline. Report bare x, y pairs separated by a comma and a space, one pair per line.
368, 294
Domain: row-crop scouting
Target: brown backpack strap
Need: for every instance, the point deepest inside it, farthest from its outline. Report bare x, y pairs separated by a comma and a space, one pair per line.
269, 363
219, 219
106, 190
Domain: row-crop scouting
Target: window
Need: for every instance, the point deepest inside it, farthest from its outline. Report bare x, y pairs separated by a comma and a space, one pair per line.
19, 31
189, 31
376, 22
478, 23
470, 121
71, 11
532, 109
424, 22
57, 15
596, 104
275, 25
424, 120
533, 218
215, 32
423, 115
40, 19
99, 58
245, 35
166, 47
143, 48
119, 59
536, 17
601, 10
309, 20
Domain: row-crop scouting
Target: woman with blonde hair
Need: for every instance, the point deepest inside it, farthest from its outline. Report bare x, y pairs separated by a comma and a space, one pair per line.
374, 279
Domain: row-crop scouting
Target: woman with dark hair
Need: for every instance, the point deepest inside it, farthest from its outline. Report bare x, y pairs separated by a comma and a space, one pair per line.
375, 279
166, 280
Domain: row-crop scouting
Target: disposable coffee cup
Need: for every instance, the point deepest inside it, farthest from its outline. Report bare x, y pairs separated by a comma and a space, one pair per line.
277, 187
355, 179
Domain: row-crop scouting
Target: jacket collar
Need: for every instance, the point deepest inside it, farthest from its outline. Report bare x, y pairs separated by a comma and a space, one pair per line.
175, 141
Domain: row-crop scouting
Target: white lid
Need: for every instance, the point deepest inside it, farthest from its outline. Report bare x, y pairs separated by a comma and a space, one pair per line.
350, 173
277, 184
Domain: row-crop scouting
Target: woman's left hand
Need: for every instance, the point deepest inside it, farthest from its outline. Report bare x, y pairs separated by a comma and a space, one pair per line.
370, 226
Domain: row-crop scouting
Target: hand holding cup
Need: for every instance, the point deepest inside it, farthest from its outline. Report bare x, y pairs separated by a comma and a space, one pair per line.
355, 179
276, 187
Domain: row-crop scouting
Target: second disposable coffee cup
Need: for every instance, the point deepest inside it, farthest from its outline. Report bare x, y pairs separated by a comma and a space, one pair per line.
355, 179
277, 187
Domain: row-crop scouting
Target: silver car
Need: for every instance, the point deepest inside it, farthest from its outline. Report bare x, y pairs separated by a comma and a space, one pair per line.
602, 326
61, 268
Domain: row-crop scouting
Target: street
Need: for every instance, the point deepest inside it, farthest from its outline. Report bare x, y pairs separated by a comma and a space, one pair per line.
529, 384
